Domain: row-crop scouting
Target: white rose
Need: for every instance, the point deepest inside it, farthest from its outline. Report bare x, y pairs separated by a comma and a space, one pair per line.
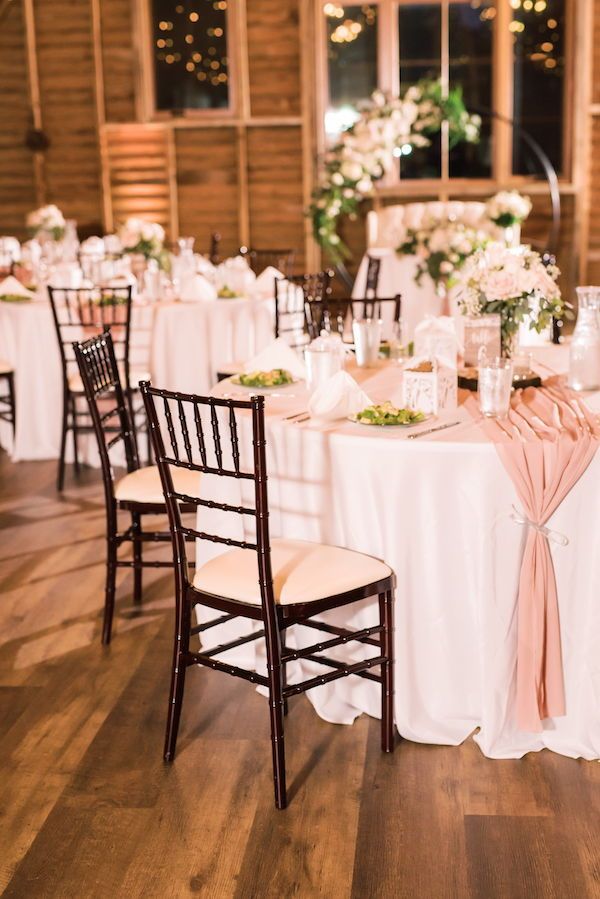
337, 178
352, 171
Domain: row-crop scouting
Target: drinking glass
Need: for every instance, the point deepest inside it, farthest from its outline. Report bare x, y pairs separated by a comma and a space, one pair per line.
495, 385
367, 338
481, 331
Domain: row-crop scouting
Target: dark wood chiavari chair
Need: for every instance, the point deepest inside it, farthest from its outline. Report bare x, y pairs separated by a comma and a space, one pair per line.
8, 408
77, 312
215, 242
335, 314
372, 280
292, 296
276, 582
139, 492
259, 260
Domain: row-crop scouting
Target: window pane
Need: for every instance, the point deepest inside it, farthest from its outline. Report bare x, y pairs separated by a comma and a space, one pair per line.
420, 40
190, 54
351, 61
470, 51
539, 36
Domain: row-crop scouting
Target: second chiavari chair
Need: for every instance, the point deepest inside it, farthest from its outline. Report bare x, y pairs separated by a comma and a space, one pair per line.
335, 314
78, 312
8, 407
259, 260
292, 297
275, 583
138, 492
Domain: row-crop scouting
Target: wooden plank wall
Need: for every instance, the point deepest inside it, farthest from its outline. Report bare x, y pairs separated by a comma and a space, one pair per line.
248, 177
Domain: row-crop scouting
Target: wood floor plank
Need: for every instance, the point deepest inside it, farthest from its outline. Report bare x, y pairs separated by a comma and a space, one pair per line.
88, 808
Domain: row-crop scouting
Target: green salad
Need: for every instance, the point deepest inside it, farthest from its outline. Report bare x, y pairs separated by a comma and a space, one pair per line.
387, 414
226, 293
274, 378
14, 298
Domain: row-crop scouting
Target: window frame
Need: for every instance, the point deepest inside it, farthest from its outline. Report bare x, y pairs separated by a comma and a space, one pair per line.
502, 98
146, 91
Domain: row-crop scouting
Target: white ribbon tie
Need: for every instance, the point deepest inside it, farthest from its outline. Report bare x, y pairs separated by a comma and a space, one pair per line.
552, 536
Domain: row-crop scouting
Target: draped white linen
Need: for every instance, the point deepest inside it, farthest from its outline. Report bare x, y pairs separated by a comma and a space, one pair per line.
181, 345
438, 510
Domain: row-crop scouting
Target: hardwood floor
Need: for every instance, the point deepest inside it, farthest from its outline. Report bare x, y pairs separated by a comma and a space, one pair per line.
87, 808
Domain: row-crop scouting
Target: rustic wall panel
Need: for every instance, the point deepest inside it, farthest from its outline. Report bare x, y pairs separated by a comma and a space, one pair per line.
17, 187
66, 70
207, 183
138, 163
274, 57
275, 189
118, 59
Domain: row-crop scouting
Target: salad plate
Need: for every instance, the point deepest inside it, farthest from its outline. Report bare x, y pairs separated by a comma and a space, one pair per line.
386, 415
264, 380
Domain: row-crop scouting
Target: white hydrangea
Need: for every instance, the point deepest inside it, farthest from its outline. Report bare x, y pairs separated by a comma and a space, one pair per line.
46, 219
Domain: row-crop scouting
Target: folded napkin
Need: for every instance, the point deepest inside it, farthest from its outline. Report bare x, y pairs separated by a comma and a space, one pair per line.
10, 287
237, 275
338, 397
112, 244
93, 246
264, 286
277, 355
205, 267
196, 288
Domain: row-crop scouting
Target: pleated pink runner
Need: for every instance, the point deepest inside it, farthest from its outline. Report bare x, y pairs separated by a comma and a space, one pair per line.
545, 445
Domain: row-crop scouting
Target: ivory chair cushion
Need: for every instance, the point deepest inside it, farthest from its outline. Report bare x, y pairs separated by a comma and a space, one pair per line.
5, 367
76, 384
144, 486
302, 572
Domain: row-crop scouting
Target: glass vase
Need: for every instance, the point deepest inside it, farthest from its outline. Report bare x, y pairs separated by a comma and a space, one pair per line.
584, 355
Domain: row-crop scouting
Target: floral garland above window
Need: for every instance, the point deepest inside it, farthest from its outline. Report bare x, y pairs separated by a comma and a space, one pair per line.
367, 150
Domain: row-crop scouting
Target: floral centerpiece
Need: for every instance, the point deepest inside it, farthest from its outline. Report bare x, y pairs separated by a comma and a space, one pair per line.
514, 283
144, 238
508, 208
47, 222
366, 151
442, 250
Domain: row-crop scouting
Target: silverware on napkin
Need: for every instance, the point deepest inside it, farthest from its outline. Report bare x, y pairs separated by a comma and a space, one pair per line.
295, 415
450, 424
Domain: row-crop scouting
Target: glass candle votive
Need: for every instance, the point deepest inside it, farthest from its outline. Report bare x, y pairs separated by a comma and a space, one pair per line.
481, 332
495, 385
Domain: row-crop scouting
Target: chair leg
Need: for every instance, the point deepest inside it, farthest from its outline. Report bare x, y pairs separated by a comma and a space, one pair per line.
386, 617
277, 742
75, 430
284, 683
136, 528
11, 400
60, 481
109, 600
175, 703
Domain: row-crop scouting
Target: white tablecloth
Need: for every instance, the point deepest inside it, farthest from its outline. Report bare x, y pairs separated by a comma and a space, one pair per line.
180, 344
397, 275
438, 511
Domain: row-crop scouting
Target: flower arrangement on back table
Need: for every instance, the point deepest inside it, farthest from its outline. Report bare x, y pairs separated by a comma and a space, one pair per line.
508, 208
144, 237
442, 249
48, 222
514, 283
365, 152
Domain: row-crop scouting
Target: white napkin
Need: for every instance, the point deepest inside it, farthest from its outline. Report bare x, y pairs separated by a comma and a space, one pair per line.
93, 246
264, 286
11, 246
204, 266
277, 355
11, 287
436, 336
123, 280
236, 274
112, 244
196, 289
338, 397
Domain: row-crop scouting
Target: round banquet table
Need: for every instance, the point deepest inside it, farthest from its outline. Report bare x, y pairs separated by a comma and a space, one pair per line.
181, 345
438, 510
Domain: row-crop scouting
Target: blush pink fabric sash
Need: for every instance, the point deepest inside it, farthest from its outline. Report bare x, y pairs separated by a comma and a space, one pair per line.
545, 445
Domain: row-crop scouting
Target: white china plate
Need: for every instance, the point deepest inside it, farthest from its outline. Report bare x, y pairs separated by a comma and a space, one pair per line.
412, 424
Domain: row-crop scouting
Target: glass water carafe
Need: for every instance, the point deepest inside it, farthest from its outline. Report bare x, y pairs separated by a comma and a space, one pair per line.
584, 359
